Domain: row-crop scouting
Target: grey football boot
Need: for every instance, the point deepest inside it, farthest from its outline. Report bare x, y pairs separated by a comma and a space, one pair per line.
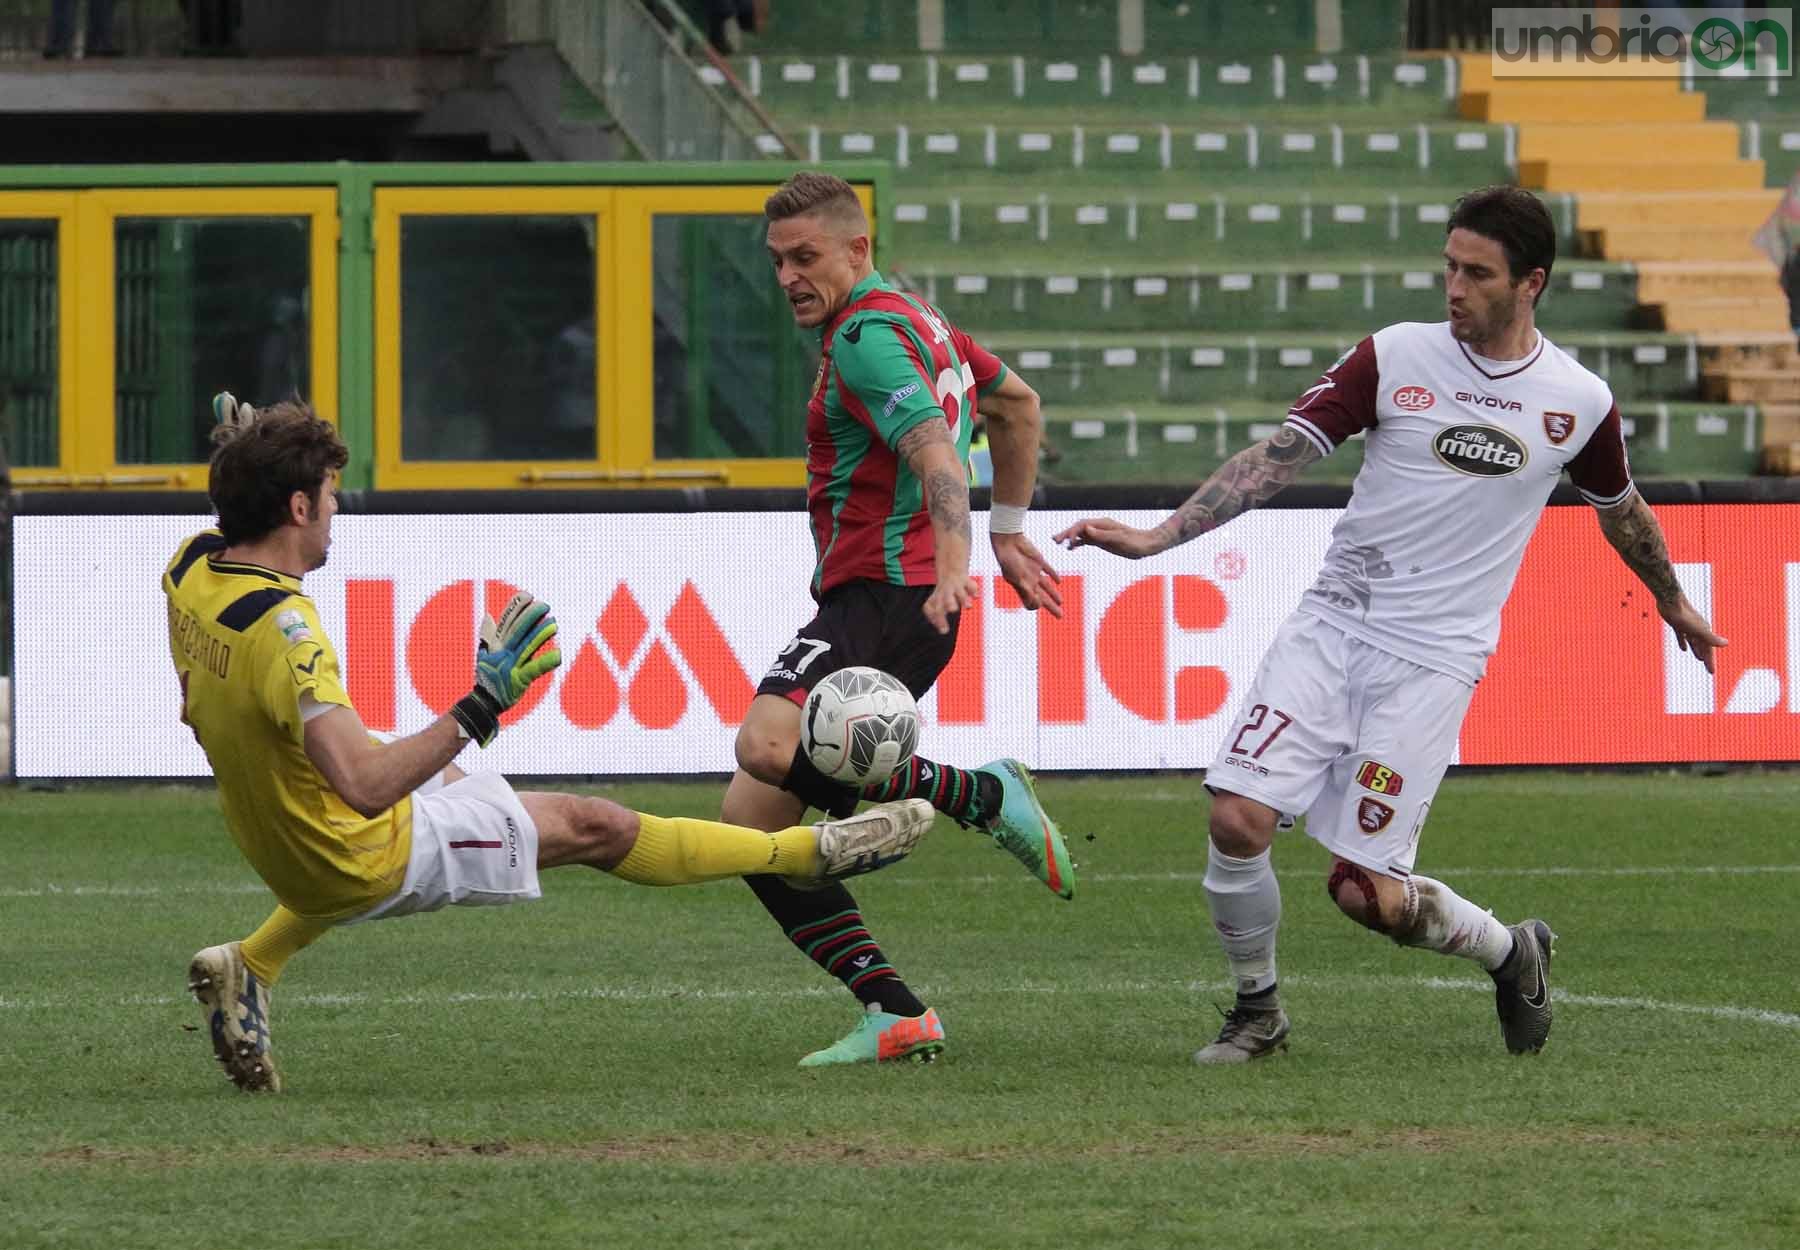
1522, 988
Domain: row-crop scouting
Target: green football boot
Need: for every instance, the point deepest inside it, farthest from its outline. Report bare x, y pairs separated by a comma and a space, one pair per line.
881, 1036
1026, 830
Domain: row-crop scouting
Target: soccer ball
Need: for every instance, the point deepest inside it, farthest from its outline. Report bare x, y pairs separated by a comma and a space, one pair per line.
859, 725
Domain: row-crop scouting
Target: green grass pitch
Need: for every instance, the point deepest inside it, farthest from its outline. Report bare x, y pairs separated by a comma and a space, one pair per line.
615, 1066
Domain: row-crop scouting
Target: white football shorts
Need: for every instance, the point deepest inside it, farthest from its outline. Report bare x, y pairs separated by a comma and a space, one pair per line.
1353, 736
473, 845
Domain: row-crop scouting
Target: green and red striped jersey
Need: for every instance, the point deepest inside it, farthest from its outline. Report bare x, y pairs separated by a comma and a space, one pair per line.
888, 361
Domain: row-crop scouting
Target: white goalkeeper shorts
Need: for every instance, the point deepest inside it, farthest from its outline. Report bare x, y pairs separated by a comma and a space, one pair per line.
473, 845
1355, 737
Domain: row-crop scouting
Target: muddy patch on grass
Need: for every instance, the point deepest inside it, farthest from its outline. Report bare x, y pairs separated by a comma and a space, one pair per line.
876, 1152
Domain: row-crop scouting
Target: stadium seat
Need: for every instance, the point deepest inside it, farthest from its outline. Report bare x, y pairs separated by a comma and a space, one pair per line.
1134, 226
1220, 369
1366, 156
1151, 442
1259, 296
1201, 231
1091, 89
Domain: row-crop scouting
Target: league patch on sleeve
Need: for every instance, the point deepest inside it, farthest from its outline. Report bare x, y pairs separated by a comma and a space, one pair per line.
303, 664
293, 627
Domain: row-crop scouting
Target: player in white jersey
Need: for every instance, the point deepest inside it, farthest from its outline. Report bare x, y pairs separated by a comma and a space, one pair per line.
1354, 713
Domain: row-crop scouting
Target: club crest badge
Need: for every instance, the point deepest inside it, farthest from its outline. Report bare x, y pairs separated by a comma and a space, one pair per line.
1373, 815
1558, 426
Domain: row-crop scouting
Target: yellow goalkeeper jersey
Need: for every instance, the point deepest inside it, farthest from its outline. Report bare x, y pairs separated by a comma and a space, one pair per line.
247, 644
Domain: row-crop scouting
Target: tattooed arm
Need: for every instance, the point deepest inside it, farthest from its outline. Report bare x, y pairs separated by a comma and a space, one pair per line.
930, 453
1249, 478
1634, 533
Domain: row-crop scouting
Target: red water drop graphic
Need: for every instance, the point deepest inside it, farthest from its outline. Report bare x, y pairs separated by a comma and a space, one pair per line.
590, 695
658, 696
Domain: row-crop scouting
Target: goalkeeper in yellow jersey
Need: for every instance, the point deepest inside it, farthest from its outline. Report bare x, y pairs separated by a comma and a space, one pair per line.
344, 827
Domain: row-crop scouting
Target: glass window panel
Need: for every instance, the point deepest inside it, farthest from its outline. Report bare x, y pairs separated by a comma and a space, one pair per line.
205, 304
497, 318
733, 371
28, 343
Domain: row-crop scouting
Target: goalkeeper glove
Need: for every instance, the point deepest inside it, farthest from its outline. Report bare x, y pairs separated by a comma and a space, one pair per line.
507, 661
228, 410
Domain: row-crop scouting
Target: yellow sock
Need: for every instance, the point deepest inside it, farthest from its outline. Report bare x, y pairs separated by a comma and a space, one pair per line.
682, 851
280, 938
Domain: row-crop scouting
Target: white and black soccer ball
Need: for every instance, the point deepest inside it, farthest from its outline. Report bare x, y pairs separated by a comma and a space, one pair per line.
858, 725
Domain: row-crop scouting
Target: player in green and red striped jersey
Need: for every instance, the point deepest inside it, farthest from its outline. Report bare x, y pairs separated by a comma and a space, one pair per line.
887, 472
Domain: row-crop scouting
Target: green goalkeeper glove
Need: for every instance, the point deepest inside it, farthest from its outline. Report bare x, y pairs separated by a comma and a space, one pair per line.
512, 654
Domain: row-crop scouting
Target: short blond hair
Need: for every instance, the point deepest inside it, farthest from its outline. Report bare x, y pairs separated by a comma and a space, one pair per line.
811, 193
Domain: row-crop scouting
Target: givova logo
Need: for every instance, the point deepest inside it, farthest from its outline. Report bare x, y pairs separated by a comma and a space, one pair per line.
1632, 42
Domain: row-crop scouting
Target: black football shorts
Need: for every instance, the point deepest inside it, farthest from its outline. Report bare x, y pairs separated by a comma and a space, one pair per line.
877, 624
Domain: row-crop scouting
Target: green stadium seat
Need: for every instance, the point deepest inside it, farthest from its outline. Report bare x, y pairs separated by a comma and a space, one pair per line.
1212, 369
1776, 141
1751, 99
1583, 295
943, 226
1172, 246
1156, 442
1072, 27
1463, 154
800, 90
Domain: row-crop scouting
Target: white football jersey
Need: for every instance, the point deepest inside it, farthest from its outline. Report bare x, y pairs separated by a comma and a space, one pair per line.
1461, 453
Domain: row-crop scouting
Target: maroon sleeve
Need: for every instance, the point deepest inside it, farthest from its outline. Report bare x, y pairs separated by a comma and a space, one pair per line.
987, 367
1599, 469
1342, 402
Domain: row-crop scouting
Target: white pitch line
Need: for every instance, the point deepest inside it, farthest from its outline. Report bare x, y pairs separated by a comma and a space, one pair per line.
667, 993
53, 890
1670, 870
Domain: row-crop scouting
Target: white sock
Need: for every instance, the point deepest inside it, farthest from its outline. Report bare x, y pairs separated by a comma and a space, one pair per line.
1246, 910
1439, 919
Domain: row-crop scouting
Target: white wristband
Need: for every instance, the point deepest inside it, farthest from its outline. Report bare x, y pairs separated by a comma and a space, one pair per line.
1006, 518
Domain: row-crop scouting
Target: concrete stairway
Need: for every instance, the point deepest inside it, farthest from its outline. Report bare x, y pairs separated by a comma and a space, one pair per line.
1658, 185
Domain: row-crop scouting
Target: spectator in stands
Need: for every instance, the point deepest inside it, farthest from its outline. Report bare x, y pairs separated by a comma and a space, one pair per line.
719, 14
99, 41
1779, 238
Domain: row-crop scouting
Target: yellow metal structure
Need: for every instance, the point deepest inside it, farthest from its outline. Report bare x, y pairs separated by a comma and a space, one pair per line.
86, 312
623, 219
